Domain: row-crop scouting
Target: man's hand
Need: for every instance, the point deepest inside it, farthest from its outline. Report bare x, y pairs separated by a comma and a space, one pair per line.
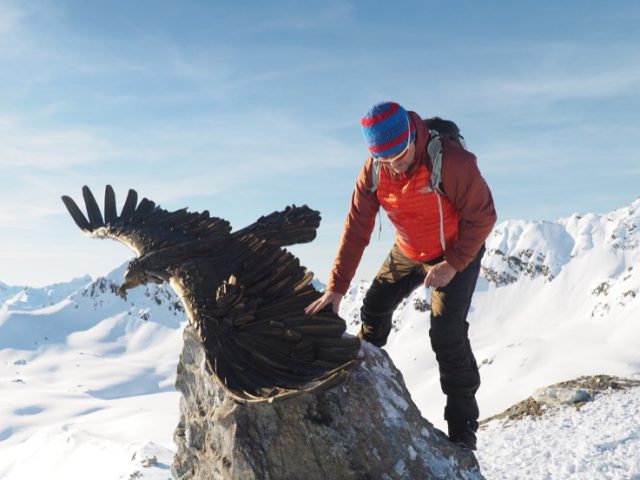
327, 298
440, 275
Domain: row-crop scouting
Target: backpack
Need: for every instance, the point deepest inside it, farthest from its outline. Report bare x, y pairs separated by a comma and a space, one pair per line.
439, 128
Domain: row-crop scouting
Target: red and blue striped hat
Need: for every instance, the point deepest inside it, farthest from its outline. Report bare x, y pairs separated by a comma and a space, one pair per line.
386, 127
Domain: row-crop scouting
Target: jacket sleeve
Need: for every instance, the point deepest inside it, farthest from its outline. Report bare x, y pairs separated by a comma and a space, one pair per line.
357, 232
470, 195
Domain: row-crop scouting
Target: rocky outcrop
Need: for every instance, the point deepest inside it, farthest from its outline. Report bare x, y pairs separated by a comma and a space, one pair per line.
574, 392
502, 269
365, 428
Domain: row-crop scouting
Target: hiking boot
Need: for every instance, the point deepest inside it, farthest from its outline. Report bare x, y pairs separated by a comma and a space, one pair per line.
463, 434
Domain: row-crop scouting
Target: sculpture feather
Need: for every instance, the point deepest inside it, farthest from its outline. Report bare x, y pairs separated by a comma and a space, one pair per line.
244, 294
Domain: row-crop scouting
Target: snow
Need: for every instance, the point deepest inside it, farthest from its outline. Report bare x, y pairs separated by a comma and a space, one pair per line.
392, 402
86, 389
601, 440
87, 379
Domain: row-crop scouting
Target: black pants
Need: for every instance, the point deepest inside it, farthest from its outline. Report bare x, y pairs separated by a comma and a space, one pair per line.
397, 278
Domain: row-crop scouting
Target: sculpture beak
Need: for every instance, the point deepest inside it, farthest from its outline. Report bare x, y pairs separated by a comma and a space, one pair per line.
122, 291
130, 281
135, 278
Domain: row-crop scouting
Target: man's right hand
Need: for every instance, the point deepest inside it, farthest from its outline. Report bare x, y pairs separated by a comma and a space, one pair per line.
327, 298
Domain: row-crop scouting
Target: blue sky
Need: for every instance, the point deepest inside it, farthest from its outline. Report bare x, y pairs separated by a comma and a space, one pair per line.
244, 107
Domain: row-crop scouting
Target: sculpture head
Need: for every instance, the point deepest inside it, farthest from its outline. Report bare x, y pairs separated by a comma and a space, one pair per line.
138, 274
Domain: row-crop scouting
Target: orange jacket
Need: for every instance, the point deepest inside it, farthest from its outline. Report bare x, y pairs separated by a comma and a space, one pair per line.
414, 209
466, 192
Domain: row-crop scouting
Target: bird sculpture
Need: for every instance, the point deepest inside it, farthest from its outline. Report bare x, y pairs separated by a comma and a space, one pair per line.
243, 293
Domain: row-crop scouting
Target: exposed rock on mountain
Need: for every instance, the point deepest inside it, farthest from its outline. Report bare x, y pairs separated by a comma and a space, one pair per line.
366, 428
518, 249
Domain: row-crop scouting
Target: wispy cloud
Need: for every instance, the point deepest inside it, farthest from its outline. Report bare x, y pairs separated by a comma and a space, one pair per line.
20, 24
11, 16
555, 86
17, 215
48, 147
537, 77
292, 18
171, 164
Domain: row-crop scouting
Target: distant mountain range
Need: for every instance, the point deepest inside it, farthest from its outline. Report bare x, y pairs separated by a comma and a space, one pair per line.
31, 298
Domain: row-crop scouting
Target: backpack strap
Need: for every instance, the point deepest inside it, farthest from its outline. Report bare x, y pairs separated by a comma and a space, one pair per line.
375, 175
434, 148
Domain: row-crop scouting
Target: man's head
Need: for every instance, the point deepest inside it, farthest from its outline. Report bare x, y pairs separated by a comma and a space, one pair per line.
389, 134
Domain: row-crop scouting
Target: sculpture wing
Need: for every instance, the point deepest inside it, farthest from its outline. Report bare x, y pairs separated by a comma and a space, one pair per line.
291, 226
259, 342
143, 225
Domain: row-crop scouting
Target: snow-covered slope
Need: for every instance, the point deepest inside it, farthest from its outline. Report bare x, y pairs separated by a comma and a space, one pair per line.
88, 383
582, 318
87, 378
600, 440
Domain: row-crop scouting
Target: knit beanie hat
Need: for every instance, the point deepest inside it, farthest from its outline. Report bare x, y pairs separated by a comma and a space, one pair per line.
386, 127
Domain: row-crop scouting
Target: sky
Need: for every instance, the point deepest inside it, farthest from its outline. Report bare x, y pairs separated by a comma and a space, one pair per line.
242, 108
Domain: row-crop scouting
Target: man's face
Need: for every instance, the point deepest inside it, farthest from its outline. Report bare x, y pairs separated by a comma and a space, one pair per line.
402, 162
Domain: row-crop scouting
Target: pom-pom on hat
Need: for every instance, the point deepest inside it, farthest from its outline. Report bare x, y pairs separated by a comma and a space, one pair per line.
387, 129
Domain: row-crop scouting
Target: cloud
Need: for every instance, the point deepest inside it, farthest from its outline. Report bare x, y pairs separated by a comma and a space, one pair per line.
552, 87
229, 155
18, 215
537, 78
10, 18
48, 147
21, 23
308, 17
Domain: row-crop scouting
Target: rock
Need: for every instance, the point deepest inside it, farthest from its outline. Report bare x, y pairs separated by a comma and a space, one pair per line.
574, 392
149, 462
366, 428
556, 396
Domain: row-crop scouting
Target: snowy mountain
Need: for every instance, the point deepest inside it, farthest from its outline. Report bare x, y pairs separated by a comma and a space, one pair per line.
517, 249
29, 298
87, 378
88, 383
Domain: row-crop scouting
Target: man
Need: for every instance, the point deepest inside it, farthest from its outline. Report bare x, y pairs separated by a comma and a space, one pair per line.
439, 242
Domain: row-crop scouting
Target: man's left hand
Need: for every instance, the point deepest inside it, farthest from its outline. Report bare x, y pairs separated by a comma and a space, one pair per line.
440, 275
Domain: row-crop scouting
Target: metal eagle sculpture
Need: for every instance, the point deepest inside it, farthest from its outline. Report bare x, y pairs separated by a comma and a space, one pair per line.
243, 293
